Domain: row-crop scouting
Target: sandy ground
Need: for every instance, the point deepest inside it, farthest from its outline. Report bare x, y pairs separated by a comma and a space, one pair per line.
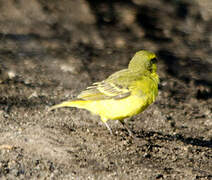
50, 50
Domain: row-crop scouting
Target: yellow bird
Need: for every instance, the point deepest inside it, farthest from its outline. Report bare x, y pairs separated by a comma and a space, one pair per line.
124, 93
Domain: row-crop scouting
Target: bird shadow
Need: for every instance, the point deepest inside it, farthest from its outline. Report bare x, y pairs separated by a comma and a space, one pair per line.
152, 135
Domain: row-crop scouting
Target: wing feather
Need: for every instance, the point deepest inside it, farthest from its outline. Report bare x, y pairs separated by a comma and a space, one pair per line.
115, 87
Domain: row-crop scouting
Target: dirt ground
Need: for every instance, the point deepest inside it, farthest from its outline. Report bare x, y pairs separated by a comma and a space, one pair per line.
51, 50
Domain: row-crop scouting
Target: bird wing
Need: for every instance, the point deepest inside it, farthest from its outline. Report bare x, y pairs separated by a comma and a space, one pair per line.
115, 86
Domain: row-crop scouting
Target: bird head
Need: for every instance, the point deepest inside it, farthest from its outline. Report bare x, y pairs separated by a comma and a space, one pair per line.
143, 61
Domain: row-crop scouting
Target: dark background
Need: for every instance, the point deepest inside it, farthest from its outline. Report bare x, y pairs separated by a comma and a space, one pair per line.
51, 50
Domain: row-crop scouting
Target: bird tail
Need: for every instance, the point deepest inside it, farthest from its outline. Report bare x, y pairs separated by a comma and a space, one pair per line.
74, 103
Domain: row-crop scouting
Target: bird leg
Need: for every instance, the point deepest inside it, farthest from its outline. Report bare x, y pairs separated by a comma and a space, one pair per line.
108, 127
127, 128
104, 120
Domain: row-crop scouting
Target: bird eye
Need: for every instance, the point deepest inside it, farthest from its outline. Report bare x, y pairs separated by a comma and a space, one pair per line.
154, 60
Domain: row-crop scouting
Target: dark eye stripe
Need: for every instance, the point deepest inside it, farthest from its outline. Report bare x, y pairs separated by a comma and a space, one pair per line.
154, 60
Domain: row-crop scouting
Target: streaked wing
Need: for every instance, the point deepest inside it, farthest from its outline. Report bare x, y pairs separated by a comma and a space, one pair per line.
111, 88
104, 90
92, 93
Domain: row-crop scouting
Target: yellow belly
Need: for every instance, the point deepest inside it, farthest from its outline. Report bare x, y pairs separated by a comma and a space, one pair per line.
118, 109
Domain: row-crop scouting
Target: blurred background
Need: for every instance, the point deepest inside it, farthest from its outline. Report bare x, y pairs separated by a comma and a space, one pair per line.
49, 50
42, 32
